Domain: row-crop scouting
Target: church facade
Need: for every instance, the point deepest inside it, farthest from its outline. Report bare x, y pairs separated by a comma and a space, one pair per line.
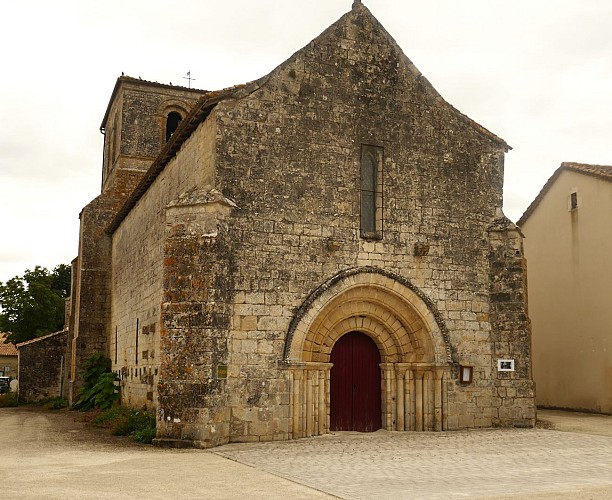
321, 249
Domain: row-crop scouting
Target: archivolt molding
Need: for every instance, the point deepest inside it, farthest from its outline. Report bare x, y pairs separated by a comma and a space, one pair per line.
169, 105
402, 321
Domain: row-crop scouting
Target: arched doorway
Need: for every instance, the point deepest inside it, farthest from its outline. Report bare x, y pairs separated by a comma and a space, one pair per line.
355, 392
411, 340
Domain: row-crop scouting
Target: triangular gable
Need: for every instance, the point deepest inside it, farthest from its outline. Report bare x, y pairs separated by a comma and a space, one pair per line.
602, 172
361, 9
359, 14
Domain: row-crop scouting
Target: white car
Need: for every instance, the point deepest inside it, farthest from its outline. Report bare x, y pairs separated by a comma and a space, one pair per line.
5, 384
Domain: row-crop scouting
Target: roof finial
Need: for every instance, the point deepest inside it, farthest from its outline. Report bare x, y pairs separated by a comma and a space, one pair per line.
356, 3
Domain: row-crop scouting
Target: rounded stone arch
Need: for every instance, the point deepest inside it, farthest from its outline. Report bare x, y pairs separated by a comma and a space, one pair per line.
169, 111
401, 320
413, 342
168, 105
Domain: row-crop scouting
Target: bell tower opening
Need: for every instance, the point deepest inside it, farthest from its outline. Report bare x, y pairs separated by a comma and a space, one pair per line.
172, 122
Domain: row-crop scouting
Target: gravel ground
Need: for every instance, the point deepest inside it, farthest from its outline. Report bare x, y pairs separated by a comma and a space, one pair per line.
53, 455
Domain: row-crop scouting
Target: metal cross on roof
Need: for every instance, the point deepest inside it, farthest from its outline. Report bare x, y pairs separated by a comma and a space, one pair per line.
188, 77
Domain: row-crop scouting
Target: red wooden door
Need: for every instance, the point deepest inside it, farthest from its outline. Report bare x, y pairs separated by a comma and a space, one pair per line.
355, 384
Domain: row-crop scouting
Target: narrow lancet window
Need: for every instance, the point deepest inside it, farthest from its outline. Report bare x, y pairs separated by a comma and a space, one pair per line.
371, 191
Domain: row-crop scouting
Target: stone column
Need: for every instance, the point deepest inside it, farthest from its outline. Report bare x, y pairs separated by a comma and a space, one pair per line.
418, 400
428, 401
304, 404
327, 396
322, 408
388, 395
409, 398
296, 397
309, 404
401, 407
309, 399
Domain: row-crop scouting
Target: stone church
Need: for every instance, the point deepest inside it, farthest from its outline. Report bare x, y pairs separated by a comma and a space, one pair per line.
321, 249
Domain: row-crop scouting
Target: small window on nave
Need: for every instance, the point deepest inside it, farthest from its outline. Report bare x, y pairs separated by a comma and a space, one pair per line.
172, 122
371, 191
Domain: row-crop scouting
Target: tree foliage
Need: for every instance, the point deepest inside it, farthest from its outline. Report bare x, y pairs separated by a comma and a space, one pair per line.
32, 305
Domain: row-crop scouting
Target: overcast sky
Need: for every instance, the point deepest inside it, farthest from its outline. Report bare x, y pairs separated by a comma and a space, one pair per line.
538, 73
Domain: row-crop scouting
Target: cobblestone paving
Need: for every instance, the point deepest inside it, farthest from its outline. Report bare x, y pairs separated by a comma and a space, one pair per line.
467, 464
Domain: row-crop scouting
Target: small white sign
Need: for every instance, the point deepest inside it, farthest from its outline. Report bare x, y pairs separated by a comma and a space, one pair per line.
505, 365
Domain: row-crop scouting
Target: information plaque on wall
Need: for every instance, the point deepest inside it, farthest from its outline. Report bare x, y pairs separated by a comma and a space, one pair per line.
505, 365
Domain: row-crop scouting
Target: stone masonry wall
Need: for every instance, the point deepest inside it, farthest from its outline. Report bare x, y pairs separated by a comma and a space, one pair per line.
511, 328
41, 363
90, 298
196, 313
137, 280
289, 156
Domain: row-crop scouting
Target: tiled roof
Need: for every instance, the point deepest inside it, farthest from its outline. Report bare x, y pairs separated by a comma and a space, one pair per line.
603, 172
6, 349
38, 339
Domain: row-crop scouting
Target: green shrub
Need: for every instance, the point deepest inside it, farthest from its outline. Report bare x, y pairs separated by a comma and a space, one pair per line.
133, 422
107, 417
124, 421
146, 435
121, 426
141, 420
55, 403
8, 399
99, 384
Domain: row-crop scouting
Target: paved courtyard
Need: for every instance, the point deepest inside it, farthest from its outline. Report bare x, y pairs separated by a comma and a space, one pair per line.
53, 455
468, 464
